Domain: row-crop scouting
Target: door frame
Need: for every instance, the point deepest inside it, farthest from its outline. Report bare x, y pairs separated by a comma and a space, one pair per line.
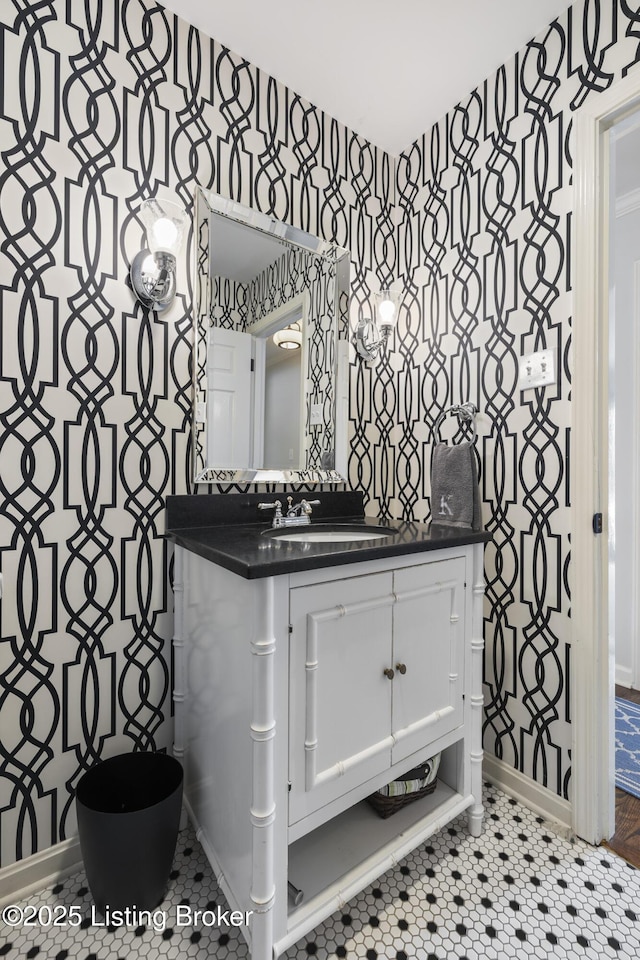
265, 327
592, 683
635, 459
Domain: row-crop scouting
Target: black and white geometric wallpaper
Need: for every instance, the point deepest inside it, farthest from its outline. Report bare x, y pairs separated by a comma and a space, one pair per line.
485, 206
119, 100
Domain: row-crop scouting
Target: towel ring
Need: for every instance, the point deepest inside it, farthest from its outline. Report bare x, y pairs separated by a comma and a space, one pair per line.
463, 411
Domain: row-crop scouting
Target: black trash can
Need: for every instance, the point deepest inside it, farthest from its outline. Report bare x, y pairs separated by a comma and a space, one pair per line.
128, 811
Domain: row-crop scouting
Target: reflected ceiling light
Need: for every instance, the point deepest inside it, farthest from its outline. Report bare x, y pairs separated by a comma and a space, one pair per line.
289, 338
153, 271
373, 334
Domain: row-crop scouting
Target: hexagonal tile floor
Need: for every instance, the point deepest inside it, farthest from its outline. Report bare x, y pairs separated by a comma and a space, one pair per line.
520, 890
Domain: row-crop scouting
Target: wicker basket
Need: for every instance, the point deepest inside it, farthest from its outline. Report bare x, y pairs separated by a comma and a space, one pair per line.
416, 783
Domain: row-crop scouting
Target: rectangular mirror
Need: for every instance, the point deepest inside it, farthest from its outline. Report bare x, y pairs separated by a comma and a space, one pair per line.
270, 305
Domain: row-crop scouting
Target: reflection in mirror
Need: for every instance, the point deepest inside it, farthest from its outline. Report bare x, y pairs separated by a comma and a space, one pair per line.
271, 302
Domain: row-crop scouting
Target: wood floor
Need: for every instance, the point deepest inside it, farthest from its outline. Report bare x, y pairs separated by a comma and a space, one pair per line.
626, 839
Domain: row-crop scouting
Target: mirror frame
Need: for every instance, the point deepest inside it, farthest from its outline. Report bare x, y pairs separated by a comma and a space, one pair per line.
206, 203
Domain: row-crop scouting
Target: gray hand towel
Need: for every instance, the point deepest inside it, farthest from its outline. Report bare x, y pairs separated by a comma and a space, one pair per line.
455, 495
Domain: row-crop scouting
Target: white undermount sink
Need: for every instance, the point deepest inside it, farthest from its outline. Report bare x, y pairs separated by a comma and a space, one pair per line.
330, 533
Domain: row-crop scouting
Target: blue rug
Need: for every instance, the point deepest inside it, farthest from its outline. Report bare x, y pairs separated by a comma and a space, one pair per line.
628, 746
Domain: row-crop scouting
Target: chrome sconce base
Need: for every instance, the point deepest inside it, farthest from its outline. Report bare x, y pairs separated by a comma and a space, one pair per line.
153, 271
369, 339
153, 278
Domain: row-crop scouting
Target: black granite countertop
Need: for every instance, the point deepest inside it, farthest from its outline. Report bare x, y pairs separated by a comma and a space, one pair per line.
216, 527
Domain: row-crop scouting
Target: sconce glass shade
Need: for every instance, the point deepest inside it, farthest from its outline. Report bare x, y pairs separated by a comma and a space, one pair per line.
289, 338
165, 222
373, 334
387, 310
153, 271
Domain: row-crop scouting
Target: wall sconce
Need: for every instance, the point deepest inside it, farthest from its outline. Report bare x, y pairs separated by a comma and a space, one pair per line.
289, 338
153, 271
373, 334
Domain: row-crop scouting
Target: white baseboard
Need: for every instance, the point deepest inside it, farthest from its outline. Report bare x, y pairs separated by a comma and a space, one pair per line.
542, 801
624, 676
19, 880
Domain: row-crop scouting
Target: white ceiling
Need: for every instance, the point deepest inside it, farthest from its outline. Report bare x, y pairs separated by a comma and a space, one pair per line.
388, 69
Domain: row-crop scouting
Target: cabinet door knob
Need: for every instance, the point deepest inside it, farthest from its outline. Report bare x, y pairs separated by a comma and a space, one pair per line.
388, 672
401, 668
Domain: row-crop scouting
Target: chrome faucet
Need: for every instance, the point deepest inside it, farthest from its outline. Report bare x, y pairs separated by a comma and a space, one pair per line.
302, 509
296, 515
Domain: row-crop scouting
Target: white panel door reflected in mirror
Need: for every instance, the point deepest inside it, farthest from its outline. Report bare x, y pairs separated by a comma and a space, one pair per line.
255, 392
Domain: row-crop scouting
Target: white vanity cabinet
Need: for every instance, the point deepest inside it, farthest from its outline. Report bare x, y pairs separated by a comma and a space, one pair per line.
298, 695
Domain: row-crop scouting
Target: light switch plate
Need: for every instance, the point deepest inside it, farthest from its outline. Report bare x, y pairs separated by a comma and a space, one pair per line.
201, 412
316, 413
537, 369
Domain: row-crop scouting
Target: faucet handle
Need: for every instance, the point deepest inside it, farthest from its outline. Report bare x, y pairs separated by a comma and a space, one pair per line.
270, 506
307, 504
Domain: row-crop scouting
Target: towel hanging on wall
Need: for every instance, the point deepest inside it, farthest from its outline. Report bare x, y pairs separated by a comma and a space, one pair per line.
455, 494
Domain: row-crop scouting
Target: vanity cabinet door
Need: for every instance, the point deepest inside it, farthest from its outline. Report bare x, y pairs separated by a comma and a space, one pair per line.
428, 653
340, 697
